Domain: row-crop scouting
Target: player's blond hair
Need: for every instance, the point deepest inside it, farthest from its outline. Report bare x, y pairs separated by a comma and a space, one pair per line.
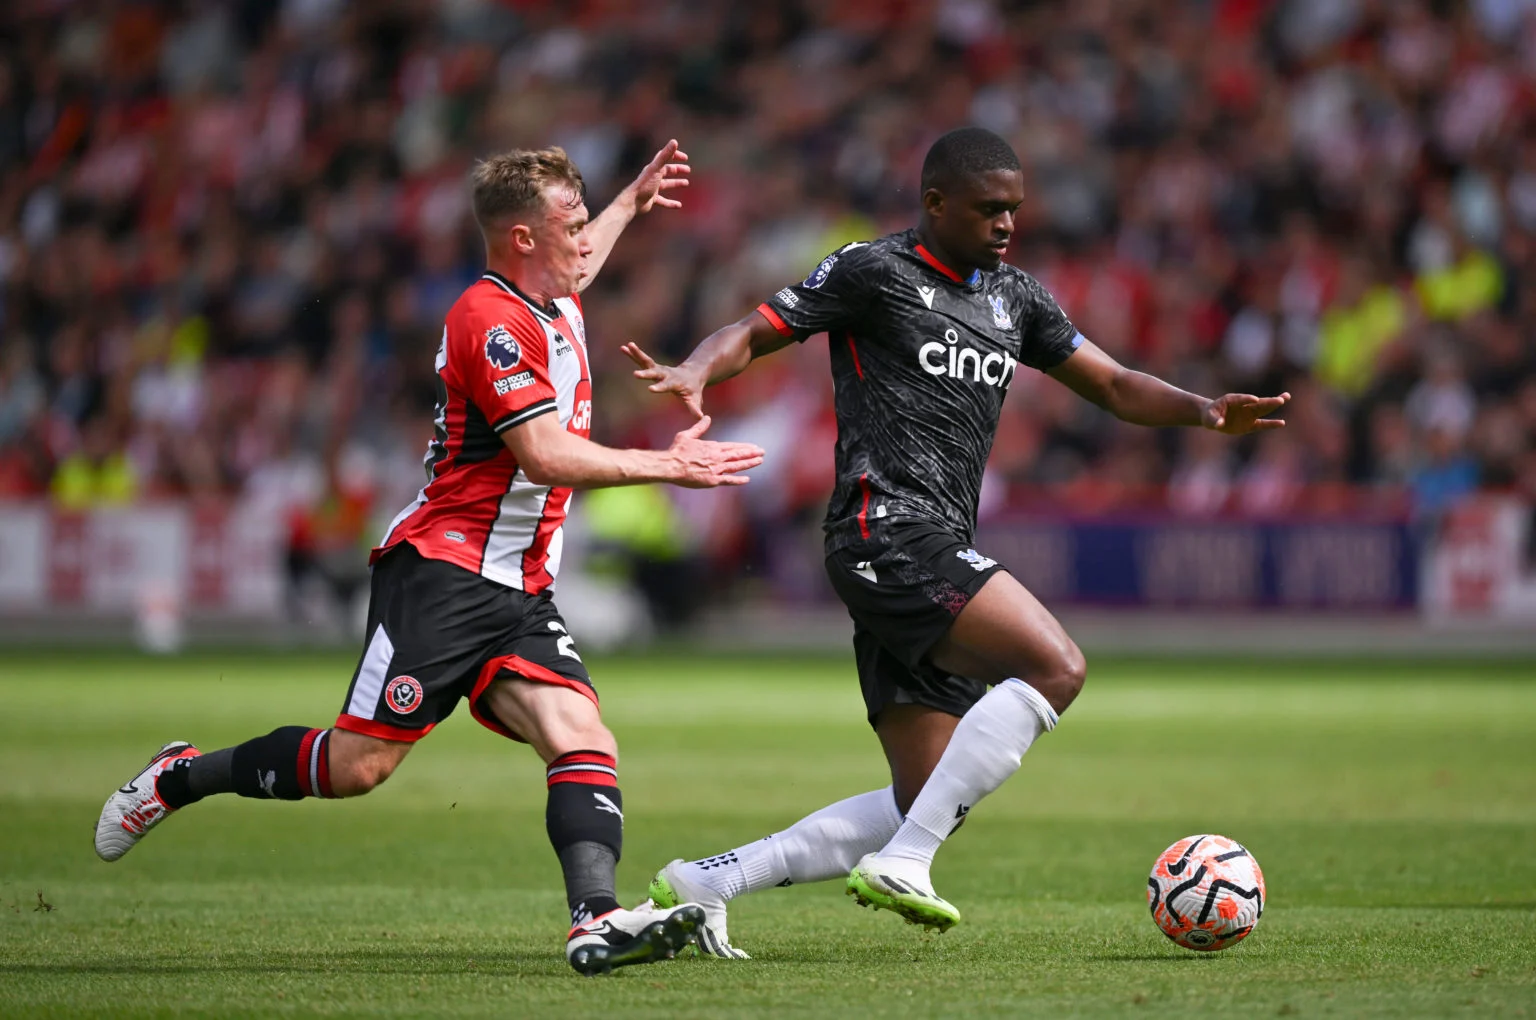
513, 183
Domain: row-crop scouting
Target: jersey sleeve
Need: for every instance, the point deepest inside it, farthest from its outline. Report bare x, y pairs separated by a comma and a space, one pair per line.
504, 365
1048, 337
838, 290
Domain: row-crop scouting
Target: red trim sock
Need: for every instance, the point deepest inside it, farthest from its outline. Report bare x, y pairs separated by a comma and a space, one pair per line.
314, 764
290, 763
592, 767
585, 822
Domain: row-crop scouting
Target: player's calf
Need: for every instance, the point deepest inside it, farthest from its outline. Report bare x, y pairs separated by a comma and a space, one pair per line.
360, 763
584, 818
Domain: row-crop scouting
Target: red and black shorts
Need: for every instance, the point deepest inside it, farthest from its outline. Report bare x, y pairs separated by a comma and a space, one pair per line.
438, 633
904, 584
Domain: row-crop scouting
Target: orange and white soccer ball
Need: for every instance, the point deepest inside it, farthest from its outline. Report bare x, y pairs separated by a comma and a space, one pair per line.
1206, 892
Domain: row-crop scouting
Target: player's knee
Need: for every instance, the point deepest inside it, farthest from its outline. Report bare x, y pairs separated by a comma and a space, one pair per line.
569, 722
562, 736
1073, 672
1064, 675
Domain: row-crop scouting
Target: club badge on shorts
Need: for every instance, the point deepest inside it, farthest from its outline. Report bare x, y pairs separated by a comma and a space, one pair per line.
977, 560
403, 695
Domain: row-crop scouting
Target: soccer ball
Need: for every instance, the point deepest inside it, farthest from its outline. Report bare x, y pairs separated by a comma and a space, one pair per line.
1206, 892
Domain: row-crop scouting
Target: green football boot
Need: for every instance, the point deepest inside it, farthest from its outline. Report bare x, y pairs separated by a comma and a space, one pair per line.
903, 886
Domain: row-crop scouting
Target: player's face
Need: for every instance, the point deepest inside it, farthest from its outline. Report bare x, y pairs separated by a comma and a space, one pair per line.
973, 222
562, 237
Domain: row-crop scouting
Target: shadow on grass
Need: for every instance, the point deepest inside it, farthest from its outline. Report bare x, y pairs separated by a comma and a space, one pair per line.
1529, 905
1149, 957
370, 963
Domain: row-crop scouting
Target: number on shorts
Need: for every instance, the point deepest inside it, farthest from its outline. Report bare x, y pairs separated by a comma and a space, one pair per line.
567, 644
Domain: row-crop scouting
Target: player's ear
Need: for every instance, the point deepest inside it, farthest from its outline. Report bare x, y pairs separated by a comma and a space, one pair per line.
520, 238
933, 202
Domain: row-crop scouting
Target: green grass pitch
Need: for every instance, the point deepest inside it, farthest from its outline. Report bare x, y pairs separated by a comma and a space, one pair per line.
1392, 807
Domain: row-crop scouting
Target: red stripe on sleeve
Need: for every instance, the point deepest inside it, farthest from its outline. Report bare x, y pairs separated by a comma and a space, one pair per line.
774, 320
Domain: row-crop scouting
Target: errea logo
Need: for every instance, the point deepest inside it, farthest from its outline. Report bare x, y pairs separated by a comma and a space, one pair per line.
957, 362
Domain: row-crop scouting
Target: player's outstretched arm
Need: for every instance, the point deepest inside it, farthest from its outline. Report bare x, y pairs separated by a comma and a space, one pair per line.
722, 354
667, 171
1143, 399
549, 455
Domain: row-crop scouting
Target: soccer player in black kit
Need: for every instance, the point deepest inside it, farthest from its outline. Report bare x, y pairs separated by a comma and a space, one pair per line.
961, 667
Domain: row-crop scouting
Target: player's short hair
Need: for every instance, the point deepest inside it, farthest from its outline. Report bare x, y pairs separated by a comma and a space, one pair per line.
512, 183
964, 153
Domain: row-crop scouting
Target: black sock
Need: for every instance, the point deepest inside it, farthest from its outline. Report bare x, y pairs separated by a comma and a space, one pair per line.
585, 821
290, 763
191, 779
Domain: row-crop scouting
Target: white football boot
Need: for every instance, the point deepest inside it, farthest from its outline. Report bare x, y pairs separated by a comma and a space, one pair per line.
622, 937
672, 886
136, 807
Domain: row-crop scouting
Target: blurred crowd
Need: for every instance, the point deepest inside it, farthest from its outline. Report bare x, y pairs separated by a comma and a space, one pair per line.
229, 230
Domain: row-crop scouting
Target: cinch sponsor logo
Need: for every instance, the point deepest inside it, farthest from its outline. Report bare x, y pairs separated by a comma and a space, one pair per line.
957, 362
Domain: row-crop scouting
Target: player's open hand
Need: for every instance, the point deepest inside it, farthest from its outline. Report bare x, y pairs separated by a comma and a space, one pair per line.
667, 171
704, 463
678, 379
1238, 414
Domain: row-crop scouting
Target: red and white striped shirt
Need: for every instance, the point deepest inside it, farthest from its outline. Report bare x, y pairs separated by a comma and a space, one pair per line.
503, 361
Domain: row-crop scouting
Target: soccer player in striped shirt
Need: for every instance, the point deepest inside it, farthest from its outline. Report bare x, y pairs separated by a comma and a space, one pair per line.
461, 604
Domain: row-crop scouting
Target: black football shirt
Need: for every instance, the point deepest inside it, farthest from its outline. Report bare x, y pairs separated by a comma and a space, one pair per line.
921, 362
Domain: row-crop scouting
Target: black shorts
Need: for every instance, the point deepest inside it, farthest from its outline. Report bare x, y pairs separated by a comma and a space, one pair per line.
438, 633
904, 585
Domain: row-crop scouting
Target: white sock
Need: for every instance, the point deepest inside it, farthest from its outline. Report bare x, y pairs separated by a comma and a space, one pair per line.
820, 846
986, 749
